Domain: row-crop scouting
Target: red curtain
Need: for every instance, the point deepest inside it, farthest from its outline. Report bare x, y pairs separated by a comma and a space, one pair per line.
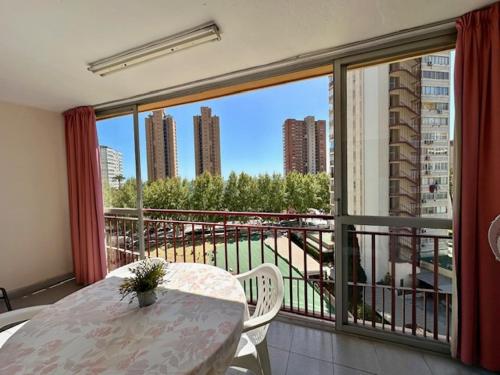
477, 96
85, 195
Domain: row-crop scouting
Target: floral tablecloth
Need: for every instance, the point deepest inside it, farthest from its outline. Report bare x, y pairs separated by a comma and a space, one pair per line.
193, 328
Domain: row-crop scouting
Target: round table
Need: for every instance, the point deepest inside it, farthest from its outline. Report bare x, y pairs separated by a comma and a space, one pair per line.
193, 328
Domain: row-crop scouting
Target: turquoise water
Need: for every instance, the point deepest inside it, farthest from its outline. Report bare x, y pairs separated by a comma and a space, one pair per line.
296, 298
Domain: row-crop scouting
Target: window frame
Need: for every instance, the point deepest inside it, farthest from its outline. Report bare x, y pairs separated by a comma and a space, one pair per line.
421, 40
433, 42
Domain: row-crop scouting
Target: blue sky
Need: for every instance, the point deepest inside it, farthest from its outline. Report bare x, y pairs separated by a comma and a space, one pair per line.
250, 128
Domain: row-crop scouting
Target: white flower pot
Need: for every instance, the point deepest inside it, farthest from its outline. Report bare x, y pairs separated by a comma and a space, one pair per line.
146, 298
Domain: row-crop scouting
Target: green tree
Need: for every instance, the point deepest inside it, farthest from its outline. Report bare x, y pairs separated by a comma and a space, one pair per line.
276, 194
310, 190
206, 192
247, 192
166, 193
124, 197
231, 193
216, 194
262, 193
107, 195
323, 192
119, 178
294, 192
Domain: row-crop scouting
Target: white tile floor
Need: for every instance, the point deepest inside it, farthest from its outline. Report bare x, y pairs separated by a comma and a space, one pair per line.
296, 350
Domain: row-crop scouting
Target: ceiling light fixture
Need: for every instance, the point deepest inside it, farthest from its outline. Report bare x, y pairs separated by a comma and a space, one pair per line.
153, 50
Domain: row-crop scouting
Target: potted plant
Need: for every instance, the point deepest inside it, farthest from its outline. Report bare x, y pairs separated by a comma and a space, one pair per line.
148, 274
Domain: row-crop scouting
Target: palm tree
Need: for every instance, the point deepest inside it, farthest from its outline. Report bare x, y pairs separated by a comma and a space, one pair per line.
119, 178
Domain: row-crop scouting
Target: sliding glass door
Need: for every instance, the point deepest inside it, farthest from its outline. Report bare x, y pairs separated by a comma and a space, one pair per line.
393, 192
119, 143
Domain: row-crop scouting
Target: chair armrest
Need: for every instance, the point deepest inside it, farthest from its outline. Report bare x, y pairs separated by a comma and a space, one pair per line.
245, 276
20, 315
259, 321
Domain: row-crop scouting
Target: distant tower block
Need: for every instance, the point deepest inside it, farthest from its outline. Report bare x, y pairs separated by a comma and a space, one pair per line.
207, 142
161, 144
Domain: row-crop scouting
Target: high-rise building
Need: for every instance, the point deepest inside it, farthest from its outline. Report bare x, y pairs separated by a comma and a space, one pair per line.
304, 145
419, 142
331, 135
451, 160
111, 166
331, 124
161, 145
405, 148
207, 142
398, 136
368, 157
435, 197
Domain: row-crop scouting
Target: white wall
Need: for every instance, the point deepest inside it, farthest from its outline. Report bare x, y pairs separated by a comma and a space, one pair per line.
35, 242
376, 172
368, 116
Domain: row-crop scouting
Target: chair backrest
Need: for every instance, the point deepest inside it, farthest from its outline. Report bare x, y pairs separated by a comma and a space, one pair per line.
270, 291
17, 316
5, 297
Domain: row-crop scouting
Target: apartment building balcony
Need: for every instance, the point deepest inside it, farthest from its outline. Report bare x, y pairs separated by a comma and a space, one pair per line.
411, 125
399, 139
410, 177
403, 210
434, 111
402, 158
435, 158
401, 192
413, 108
411, 68
303, 334
300, 245
298, 346
366, 290
415, 91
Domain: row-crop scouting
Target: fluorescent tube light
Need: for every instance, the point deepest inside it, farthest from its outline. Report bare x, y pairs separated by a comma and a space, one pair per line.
153, 50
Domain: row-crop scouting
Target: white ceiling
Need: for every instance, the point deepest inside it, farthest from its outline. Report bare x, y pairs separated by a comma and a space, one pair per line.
46, 44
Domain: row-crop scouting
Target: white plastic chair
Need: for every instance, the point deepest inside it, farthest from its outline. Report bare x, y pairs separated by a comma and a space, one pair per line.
252, 353
19, 316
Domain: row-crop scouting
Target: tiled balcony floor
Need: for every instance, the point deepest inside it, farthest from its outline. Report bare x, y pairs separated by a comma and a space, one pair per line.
297, 350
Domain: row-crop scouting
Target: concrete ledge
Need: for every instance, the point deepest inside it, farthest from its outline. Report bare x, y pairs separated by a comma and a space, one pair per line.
305, 321
20, 292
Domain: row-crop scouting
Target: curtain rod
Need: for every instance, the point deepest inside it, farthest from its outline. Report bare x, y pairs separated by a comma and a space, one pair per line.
285, 65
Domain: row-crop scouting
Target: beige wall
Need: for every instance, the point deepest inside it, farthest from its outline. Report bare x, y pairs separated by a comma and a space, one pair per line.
34, 221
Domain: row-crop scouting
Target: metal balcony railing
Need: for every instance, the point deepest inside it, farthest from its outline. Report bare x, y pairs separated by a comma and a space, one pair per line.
412, 126
420, 306
397, 192
302, 247
414, 91
394, 139
413, 108
400, 157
